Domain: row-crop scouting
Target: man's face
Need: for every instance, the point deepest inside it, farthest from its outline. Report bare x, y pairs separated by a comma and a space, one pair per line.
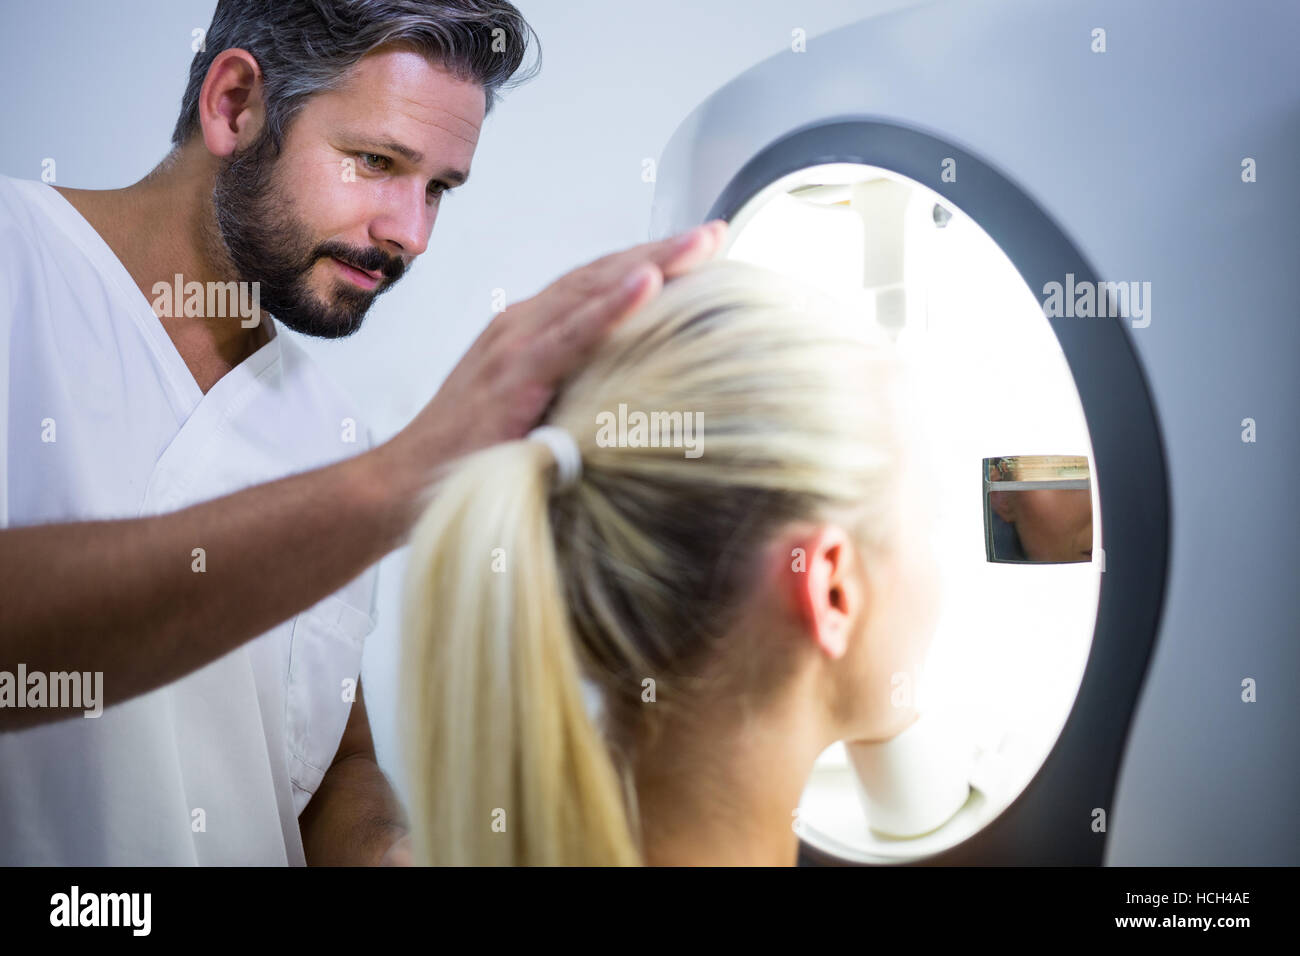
337, 218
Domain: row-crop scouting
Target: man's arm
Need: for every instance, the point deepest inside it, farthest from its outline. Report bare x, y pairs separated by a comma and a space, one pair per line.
354, 818
122, 598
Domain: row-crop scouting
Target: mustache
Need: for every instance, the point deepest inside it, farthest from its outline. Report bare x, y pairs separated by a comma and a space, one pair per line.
367, 260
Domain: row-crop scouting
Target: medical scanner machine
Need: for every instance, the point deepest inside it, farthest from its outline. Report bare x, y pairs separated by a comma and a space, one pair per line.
1081, 220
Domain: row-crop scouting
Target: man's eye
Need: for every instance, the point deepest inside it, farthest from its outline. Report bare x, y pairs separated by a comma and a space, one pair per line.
438, 190
374, 161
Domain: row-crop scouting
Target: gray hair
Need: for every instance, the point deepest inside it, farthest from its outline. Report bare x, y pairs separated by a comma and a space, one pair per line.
304, 47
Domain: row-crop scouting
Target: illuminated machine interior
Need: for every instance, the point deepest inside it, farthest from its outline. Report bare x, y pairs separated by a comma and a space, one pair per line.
1012, 640
949, 166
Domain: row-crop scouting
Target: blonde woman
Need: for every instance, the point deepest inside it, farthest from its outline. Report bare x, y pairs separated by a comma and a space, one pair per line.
619, 652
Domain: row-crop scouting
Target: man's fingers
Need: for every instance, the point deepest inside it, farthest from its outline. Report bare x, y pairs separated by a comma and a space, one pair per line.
570, 317
672, 257
706, 242
568, 341
624, 282
529, 350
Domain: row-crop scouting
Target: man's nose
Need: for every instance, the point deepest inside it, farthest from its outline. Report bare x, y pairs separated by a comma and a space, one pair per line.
403, 227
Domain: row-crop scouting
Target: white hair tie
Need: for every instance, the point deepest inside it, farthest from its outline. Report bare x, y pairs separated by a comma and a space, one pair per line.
568, 458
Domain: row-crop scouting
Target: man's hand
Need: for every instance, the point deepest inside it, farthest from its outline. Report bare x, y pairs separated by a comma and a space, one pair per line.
354, 818
505, 381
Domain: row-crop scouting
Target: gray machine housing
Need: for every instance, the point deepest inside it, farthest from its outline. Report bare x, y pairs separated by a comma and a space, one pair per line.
1122, 165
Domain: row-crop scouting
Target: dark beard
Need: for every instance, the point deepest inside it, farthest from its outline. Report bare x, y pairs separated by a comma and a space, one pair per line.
266, 244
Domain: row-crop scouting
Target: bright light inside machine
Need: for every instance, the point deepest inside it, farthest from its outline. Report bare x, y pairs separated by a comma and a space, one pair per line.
1012, 639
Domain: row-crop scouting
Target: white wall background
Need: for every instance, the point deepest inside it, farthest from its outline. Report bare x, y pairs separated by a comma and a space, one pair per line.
556, 179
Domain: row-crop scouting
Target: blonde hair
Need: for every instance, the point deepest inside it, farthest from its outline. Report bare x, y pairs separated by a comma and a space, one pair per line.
516, 593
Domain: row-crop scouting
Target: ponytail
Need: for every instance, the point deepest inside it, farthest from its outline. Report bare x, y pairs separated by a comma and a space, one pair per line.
507, 768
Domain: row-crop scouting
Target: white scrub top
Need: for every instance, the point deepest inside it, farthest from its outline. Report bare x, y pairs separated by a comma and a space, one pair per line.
101, 418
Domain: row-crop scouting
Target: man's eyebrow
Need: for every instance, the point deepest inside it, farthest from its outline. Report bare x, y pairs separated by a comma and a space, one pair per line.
455, 176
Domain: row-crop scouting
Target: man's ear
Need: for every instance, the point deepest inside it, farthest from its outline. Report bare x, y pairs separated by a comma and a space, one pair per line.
824, 588
1001, 503
231, 111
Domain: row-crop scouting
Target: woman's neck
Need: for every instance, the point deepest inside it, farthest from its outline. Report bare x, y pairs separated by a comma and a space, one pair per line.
725, 791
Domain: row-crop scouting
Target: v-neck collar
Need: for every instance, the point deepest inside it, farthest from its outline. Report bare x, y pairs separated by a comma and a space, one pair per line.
187, 393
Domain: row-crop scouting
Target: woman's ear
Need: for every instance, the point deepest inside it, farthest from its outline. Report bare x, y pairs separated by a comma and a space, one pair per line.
823, 587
